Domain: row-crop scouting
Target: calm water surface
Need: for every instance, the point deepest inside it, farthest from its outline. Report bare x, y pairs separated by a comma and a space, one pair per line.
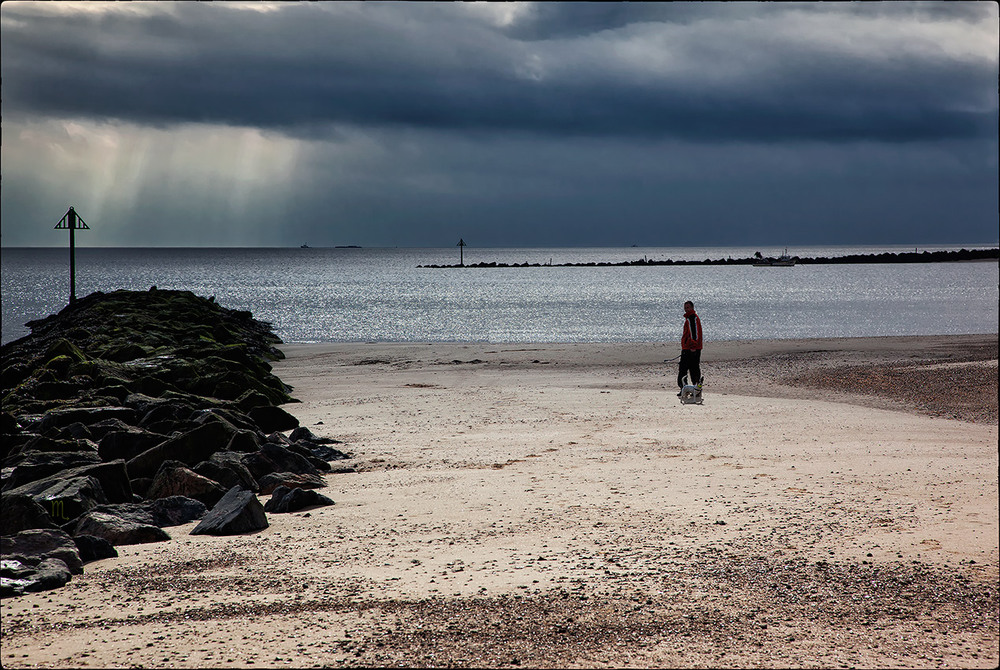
347, 295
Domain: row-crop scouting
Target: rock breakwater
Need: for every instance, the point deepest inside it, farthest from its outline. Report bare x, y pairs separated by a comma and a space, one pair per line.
962, 255
132, 411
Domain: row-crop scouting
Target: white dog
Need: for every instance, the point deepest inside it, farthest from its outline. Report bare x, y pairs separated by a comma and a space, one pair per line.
691, 394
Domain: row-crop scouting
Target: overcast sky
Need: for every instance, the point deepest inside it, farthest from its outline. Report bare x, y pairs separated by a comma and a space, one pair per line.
506, 124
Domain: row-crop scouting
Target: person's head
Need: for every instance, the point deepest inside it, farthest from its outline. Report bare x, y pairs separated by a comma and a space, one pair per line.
688, 306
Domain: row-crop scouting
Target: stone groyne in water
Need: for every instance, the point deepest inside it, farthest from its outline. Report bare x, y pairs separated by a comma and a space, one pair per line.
903, 257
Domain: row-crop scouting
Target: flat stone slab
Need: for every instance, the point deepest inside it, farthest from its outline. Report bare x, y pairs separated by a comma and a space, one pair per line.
238, 512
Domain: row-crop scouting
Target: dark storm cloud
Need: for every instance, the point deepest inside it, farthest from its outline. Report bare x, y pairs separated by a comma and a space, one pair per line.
546, 20
432, 66
383, 123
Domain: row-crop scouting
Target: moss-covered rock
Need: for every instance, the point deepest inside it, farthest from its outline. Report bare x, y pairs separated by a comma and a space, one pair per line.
60, 365
63, 347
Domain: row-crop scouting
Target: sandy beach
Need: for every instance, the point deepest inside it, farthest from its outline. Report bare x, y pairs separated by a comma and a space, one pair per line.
832, 503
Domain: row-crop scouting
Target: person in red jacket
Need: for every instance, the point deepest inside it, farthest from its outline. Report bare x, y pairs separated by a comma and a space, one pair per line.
692, 341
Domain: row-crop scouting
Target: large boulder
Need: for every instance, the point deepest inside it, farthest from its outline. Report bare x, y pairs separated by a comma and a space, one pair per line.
14, 576
30, 465
163, 512
175, 510
227, 468
21, 512
67, 499
117, 530
189, 448
174, 479
166, 413
302, 433
290, 480
141, 402
328, 453
127, 444
236, 420
246, 441
125, 352
51, 443
51, 573
270, 418
250, 399
276, 458
318, 446
100, 430
76, 431
141, 485
238, 512
136, 513
18, 579
94, 548
112, 477
279, 438
9, 423
305, 452
60, 418
42, 544
11, 445
285, 500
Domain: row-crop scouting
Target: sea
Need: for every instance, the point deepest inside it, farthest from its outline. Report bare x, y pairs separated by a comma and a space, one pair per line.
312, 295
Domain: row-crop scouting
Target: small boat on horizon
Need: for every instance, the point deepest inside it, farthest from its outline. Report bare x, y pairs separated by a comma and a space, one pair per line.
782, 261
305, 246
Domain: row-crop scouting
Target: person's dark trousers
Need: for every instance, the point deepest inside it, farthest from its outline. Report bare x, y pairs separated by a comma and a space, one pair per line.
690, 362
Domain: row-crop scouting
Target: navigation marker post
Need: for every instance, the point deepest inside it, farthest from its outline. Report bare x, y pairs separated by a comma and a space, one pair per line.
461, 252
72, 221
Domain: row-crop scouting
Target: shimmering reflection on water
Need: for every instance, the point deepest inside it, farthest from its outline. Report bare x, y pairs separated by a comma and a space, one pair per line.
315, 295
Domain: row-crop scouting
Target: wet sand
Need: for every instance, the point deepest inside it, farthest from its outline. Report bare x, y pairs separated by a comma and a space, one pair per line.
832, 502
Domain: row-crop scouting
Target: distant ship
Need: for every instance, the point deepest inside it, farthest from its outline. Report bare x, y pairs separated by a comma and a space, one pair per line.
783, 261
305, 246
